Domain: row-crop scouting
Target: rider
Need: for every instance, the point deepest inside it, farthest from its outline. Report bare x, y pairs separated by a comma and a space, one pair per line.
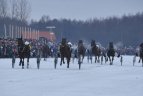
26, 51
27, 47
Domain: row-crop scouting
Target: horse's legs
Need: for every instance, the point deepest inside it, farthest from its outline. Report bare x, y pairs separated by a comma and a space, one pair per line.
106, 58
22, 63
68, 62
79, 59
95, 59
82, 58
142, 61
110, 60
28, 62
62, 60
45, 56
88, 58
98, 59
139, 59
101, 59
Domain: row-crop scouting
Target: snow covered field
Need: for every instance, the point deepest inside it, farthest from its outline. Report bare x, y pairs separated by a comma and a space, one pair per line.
91, 80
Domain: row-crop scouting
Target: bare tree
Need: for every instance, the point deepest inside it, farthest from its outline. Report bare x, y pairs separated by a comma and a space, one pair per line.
14, 8
3, 8
20, 9
24, 10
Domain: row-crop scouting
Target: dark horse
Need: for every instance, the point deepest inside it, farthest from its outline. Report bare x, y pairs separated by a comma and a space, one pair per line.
95, 50
111, 53
46, 51
65, 52
81, 51
23, 52
141, 53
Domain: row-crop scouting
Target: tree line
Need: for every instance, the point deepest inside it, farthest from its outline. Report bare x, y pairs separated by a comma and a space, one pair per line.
127, 30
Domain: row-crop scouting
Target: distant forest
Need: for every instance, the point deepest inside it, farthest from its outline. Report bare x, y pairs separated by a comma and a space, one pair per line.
127, 30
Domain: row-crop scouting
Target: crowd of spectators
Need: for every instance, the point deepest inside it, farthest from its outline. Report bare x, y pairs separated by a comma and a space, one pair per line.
8, 48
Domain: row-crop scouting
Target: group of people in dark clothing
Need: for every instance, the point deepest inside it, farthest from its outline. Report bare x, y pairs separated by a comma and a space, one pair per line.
8, 48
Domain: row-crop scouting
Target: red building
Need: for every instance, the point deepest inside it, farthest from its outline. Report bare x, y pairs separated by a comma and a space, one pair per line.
38, 34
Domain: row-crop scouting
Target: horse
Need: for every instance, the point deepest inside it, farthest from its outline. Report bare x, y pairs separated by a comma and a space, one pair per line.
141, 53
111, 53
65, 52
80, 51
96, 51
45, 51
23, 52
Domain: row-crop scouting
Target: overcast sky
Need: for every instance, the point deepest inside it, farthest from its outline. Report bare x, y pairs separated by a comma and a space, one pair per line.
84, 9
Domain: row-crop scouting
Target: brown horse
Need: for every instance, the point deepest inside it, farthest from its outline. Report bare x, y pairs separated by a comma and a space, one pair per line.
45, 51
81, 51
23, 52
111, 53
95, 51
65, 52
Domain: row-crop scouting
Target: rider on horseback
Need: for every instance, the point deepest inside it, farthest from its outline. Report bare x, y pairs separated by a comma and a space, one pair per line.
111, 49
81, 51
111, 52
95, 49
27, 48
23, 51
65, 51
